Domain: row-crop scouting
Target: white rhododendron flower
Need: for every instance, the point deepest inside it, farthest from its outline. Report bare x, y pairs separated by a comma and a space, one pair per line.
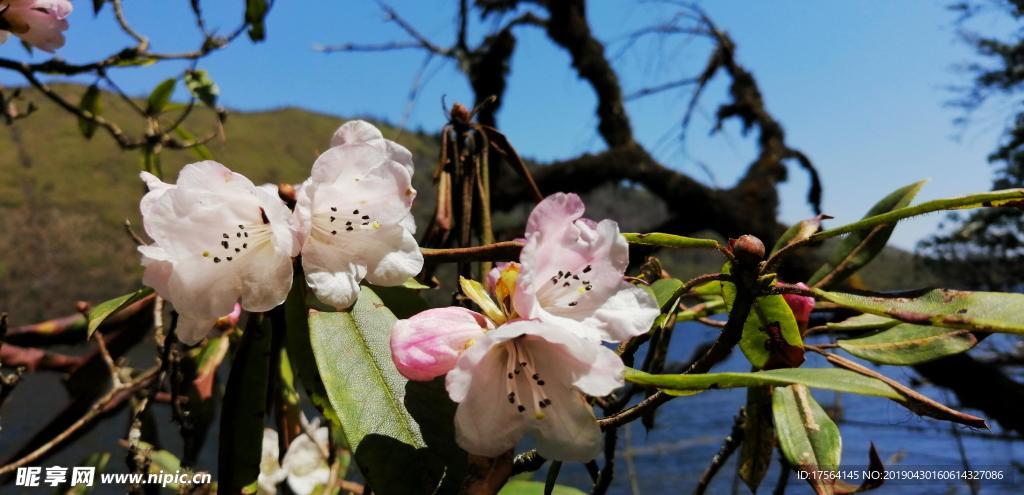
354, 213
304, 465
218, 240
40, 23
572, 274
523, 367
270, 466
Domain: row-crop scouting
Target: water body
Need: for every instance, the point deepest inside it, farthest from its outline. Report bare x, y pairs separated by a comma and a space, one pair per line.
667, 460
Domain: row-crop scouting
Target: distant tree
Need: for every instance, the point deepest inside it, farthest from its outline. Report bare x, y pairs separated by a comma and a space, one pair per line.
984, 247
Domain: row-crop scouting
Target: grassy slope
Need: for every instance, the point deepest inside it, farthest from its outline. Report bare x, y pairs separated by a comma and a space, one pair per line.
64, 200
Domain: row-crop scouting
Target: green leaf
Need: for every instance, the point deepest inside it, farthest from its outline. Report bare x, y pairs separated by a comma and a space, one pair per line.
664, 289
244, 406
255, 14
981, 311
860, 323
522, 487
769, 311
993, 199
378, 409
798, 232
105, 309
91, 102
160, 96
758, 438
860, 247
825, 378
670, 241
808, 438
907, 344
199, 149
766, 310
402, 301
201, 86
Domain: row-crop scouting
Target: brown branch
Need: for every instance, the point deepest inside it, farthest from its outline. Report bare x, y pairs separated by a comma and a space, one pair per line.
33, 360
498, 251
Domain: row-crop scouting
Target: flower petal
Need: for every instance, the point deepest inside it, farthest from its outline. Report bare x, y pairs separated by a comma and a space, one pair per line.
190, 330
362, 132
485, 425
569, 431
334, 281
428, 344
392, 255
627, 313
305, 463
572, 271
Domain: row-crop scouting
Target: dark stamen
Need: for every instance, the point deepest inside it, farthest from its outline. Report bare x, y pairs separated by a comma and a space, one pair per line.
587, 269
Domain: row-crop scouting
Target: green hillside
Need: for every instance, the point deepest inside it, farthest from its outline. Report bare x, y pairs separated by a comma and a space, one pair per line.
63, 200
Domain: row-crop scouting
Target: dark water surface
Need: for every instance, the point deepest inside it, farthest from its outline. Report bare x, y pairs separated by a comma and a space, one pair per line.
666, 460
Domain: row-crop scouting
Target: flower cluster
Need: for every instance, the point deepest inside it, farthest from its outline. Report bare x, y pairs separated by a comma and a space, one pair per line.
523, 366
220, 240
40, 23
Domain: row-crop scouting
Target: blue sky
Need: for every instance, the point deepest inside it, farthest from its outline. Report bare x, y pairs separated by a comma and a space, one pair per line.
860, 87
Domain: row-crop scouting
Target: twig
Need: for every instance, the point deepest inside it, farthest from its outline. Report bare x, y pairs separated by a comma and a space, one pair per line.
143, 42
498, 251
729, 445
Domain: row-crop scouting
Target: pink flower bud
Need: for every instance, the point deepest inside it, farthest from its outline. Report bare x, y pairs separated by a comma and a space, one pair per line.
428, 344
801, 306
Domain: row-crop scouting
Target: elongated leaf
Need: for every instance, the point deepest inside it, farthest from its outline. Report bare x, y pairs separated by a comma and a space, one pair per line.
201, 85
770, 332
522, 487
198, 149
91, 102
160, 96
858, 248
670, 241
808, 438
758, 438
374, 402
798, 232
993, 199
907, 344
105, 309
824, 378
244, 406
981, 311
861, 323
